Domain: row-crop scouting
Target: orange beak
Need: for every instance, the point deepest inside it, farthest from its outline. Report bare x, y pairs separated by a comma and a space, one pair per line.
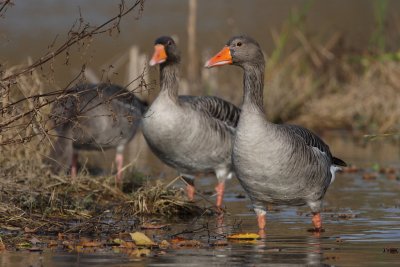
222, 58
159, 55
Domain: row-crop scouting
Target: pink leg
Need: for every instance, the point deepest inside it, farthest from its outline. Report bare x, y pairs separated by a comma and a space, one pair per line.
74, 166
220, 193
261, 221
190, 192
317, 221
119, 160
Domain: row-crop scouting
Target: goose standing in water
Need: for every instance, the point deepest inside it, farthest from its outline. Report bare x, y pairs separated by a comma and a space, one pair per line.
275, 163
192, 134
94, 117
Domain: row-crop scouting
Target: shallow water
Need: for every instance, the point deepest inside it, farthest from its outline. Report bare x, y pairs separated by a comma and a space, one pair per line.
361, 219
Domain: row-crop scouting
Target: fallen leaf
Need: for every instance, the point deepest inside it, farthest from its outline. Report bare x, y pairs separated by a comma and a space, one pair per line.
164, 244
244, 236
141, 239
2, 246
34, 240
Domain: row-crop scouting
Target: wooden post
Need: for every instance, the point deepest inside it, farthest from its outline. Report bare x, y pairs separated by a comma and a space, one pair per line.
192, 70
137, 150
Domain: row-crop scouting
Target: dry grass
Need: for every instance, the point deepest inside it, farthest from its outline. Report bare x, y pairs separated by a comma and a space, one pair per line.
33, 199
323, 86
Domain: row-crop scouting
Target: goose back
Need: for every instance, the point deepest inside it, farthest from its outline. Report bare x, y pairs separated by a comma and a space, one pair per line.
98, 116
194, 134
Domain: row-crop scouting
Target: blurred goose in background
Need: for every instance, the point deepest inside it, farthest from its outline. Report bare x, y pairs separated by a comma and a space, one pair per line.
192, 134
275, 163
94, 117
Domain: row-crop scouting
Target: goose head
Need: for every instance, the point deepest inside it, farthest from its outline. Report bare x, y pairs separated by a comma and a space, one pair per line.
165, 51
239, 50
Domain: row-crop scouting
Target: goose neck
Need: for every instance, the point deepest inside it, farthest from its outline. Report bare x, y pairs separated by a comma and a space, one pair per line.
253, 98
169, 80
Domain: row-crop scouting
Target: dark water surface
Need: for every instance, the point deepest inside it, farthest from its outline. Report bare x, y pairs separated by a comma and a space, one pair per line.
361, 219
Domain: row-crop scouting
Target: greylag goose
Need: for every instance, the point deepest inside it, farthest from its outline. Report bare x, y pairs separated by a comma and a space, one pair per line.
192, 134
275, 163
94, 117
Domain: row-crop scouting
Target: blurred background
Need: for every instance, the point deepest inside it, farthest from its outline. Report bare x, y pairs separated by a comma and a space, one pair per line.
332, 65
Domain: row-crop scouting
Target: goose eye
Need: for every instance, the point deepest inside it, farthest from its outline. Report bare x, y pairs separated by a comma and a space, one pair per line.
239, 44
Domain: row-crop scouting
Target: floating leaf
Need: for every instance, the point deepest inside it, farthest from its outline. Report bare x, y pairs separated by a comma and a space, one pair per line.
244, 236
141, 239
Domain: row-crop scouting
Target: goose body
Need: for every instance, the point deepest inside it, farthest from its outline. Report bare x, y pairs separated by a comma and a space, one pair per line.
193, 134
95, 117
275, 163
